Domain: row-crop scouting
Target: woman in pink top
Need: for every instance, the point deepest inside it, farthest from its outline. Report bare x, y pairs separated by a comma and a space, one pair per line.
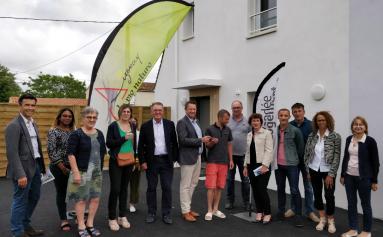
360, 170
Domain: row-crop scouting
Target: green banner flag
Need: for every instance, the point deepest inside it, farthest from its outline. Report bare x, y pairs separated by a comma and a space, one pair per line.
130, 52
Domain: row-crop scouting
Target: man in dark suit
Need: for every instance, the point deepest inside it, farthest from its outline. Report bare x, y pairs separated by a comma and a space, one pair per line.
157, 150
190, 148
25, 165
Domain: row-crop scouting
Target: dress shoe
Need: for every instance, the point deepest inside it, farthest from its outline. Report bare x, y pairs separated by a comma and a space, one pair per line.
229, 206
30, 231
189, 217
298, 221
22, 235
167, 219
280, 216
194, 214
150, 218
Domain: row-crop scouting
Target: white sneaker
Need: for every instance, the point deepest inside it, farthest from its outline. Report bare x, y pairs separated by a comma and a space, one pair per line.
123, 221
113, 225
313, 217
350, 233
219, 214
322, 223
331, 226
132, 208
208, 216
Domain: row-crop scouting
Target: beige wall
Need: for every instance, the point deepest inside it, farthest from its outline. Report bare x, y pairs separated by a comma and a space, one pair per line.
144, 98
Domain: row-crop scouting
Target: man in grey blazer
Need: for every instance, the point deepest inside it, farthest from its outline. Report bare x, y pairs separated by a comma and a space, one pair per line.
190, 142
25, 165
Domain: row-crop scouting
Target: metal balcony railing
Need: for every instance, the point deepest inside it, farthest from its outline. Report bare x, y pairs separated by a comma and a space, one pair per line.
263, 20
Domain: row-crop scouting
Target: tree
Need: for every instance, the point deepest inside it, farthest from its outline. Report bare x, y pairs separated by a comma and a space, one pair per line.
53, 86
8, 85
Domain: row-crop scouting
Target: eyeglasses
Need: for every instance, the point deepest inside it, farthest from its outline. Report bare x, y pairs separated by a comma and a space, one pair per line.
91, 117
358, 125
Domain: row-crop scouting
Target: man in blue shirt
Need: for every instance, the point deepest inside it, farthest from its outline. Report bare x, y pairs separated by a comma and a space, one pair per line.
305, 126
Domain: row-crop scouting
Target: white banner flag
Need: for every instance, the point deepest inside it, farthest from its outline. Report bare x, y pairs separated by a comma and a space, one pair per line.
265, 101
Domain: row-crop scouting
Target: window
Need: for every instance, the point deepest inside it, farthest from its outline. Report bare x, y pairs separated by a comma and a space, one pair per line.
188, 26
262, 16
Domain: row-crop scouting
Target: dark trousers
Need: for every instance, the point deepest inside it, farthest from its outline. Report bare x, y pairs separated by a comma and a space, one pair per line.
134, 185
245, 189
318, 183
61, 183
353, 185
292, 175
164, 169
24, 202
259, 185
119, 180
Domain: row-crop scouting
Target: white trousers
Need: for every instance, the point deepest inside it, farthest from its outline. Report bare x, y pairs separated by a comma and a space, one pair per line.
189, 180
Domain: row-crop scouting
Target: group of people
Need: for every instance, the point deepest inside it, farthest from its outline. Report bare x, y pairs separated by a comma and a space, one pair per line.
301, 146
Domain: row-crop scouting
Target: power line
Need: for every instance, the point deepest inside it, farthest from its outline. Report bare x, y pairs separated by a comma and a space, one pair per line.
58, 20
64, 56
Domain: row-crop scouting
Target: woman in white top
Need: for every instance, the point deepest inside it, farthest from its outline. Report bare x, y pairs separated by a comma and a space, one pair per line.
257, 162
322, 157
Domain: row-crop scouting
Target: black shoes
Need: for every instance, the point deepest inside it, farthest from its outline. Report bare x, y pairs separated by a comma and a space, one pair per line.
150, 218
280, 216
298, 221
167, 219
30, 231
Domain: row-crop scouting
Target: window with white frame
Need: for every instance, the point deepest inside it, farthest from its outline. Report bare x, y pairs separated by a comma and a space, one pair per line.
188, 26
262, 16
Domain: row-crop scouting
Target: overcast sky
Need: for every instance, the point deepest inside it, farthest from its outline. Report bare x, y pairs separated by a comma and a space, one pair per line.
28, 44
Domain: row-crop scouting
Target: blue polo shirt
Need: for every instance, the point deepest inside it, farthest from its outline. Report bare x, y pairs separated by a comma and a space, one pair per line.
305, 128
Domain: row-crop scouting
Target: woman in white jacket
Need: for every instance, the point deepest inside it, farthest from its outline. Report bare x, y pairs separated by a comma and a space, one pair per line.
259, 154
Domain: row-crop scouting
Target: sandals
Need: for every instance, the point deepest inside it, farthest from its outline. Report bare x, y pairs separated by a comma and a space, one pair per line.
65, 227
266, 219
258, 217
93, 231
83, 233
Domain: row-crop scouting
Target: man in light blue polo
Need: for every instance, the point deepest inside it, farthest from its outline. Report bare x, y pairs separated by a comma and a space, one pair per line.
239, 128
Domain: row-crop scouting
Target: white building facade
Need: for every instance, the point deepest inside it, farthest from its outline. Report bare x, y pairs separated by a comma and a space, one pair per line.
226, 48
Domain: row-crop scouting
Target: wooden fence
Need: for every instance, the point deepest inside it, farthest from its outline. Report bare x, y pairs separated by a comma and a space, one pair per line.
44, 117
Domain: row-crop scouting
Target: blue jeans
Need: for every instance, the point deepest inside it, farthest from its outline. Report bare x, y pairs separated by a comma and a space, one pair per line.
292, 175
24, 202
309, 193
245, 184
362, 186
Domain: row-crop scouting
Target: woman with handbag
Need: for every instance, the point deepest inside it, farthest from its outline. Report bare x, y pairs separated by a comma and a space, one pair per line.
121, 140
